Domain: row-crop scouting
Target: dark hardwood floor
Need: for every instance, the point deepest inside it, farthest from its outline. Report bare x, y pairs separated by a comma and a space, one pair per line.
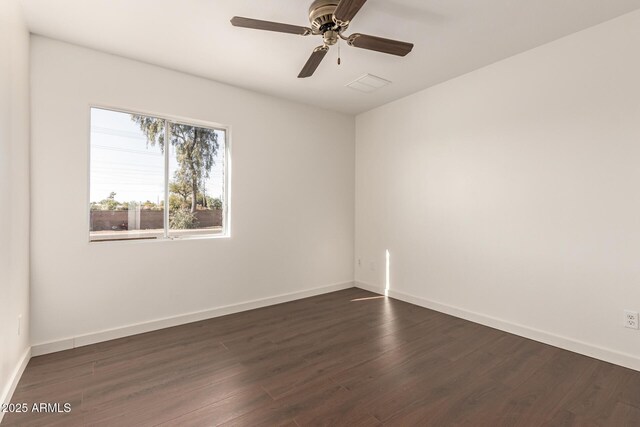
347, 358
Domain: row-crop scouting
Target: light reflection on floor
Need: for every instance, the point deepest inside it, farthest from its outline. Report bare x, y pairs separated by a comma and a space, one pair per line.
368, 298
387, 329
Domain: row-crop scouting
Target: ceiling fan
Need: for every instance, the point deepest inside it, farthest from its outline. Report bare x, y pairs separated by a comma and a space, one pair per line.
330, 19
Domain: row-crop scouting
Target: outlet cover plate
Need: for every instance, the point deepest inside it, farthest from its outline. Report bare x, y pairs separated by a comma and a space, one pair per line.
631, 319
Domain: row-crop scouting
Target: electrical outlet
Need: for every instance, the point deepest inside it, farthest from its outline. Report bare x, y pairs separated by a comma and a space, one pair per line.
631, 319
19, 324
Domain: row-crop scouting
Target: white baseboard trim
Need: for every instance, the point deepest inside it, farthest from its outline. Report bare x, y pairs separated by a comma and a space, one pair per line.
370, 288
10, 388
139, 328
618, 358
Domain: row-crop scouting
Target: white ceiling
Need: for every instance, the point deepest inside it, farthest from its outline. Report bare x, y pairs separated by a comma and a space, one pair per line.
451, 37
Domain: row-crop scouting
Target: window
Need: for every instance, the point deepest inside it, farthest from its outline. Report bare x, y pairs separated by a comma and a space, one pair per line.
155, 178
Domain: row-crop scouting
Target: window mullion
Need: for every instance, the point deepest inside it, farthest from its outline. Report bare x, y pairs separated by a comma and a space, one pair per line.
167, 145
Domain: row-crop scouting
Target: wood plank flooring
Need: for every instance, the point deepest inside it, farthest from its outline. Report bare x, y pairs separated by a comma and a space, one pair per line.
348, 358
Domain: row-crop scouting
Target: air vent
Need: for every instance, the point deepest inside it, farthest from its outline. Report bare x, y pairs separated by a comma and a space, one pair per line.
368, 83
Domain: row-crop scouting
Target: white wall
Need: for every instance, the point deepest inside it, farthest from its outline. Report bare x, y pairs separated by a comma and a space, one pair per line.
292, 207
14, 193
511, 195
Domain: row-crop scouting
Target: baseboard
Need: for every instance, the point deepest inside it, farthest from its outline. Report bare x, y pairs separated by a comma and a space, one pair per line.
10, 388
371, 288
618, 358
106, 335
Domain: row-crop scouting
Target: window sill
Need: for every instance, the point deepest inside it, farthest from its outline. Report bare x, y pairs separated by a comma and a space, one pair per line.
154, 236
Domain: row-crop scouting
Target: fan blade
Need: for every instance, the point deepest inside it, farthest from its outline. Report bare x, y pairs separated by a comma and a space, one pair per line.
347, 9
256, 24
379, 44
314, 60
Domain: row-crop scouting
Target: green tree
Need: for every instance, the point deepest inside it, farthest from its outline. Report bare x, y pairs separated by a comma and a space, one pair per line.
149, 205
181, 187
216, 203
176, 203
110, 203
195, 150
182, 219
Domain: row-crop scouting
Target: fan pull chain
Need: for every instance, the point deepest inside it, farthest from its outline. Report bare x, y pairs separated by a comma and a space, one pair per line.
339, 53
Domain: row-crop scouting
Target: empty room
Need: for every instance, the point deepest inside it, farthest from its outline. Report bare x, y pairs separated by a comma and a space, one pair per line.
329, 212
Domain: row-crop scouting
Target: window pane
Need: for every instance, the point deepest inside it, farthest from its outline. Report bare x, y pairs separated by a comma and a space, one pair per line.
127, 176
196, 180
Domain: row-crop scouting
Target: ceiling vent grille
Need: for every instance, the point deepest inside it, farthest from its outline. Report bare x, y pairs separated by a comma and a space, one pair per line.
368, 83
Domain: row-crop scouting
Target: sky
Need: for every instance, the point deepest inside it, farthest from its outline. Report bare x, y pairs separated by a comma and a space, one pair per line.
122, 162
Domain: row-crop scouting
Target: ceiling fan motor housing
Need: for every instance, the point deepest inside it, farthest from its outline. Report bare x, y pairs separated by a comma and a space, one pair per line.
321, 16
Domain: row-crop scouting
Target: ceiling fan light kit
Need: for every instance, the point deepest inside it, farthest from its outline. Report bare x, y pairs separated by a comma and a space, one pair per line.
329, 19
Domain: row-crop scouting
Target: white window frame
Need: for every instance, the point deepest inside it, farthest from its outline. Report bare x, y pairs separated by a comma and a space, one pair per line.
226, 173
